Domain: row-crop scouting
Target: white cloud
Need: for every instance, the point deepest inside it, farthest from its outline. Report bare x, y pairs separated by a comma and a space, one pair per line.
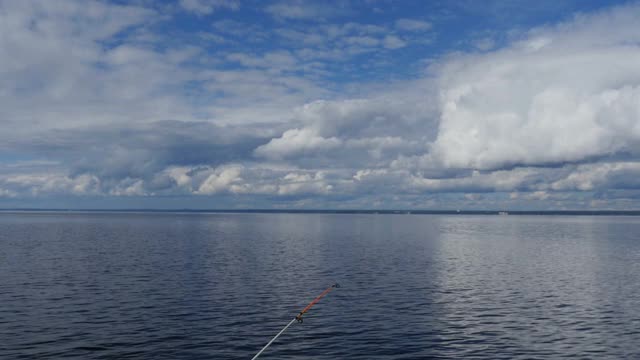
180, 175
500, 181
593, 177
220, 179
353, 131
62, 69
366, 41
275, 61
485, 43
412, 25
304, 183
394, 42
204, 7
537, 195
35, 184
546, 99
297, 142
7, 193
302, 9
85, 87
325, 44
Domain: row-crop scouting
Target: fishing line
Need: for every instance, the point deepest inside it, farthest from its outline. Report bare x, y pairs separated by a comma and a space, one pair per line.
298, 317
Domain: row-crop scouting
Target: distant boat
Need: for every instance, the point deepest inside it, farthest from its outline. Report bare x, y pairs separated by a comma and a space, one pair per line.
503, 213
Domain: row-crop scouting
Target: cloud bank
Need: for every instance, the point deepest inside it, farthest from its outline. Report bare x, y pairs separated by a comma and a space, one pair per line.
96, 102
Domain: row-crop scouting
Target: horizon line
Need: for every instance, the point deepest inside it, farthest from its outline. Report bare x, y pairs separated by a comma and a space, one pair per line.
340, 211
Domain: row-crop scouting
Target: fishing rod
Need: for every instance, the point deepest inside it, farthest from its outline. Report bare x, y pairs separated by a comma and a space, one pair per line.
298, 317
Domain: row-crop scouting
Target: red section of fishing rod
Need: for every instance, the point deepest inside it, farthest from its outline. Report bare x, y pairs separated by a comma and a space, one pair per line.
314, 301
298, 318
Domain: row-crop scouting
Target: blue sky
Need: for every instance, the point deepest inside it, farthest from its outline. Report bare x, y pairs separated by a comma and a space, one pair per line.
307, 104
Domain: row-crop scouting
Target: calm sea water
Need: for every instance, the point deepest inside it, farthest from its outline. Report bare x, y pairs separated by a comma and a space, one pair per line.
219, 286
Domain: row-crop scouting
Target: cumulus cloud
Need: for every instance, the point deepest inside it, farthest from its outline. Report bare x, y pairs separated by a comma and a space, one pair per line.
590, 177
36, 184
221, 179
63, 68
248, 180
295, 142
544, 99
99, 109
348, 132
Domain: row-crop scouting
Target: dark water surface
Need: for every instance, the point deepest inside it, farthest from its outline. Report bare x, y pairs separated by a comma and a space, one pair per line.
219, 286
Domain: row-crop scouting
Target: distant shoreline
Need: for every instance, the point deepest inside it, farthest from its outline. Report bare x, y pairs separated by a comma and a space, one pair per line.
371, 212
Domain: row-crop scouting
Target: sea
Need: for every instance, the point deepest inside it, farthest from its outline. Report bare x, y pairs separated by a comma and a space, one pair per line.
137, 285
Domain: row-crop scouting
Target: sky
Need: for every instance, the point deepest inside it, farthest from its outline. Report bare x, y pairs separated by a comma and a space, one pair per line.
293, 104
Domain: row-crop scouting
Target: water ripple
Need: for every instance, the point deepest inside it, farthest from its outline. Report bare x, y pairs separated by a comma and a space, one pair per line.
176, 286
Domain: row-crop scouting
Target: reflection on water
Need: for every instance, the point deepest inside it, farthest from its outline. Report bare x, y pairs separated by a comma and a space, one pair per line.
219, 286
